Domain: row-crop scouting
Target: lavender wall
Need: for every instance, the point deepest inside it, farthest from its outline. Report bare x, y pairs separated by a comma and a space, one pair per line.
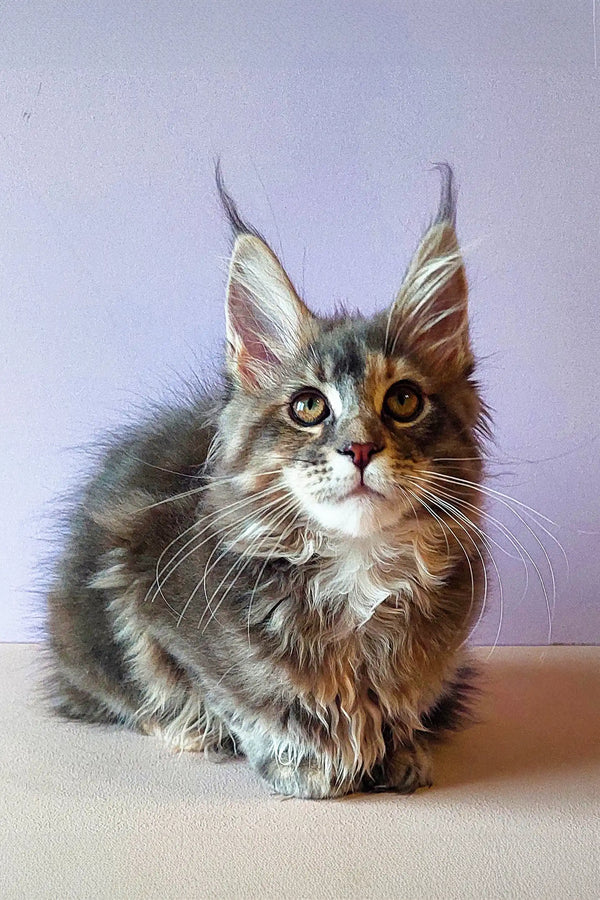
327, 116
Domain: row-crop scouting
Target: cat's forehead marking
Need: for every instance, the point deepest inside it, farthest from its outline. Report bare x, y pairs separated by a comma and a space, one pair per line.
354, 369
381, 368
346, 356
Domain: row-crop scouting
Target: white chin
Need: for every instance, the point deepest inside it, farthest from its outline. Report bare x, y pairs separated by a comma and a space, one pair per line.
358, 516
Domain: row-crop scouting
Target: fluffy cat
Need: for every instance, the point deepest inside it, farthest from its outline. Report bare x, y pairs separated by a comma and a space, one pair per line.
270, 568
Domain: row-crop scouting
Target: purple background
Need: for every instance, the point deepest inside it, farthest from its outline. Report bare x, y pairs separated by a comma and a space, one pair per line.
327, 116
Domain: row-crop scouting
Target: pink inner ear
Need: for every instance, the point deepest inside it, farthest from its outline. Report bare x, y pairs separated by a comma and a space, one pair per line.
255, 332
447, 315
441, 332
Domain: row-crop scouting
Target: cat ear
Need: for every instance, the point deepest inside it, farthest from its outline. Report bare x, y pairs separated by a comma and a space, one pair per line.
267, 323
429, 316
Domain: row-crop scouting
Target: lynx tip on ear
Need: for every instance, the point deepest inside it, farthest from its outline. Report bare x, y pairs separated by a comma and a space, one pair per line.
236, 222
446, 213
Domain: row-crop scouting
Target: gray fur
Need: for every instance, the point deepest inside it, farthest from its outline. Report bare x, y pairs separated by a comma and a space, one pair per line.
447, 206
211, 591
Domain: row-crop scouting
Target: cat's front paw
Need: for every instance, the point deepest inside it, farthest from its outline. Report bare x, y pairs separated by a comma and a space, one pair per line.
305, 779
403, 770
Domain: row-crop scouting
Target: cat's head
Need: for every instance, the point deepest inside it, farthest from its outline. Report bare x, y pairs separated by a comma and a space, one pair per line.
339, 420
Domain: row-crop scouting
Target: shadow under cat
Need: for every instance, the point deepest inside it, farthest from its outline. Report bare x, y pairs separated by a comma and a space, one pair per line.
534, 718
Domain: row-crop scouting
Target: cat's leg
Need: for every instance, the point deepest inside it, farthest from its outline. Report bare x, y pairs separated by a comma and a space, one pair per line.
404, 769
294, 763
193, 728
299, 771
87, 705
407, 763
308, 777
173, 703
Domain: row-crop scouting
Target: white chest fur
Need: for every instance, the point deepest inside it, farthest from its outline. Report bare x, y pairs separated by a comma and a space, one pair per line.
362, 575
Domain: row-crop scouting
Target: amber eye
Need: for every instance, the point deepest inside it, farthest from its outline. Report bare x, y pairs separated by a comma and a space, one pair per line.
403, 402
309, 408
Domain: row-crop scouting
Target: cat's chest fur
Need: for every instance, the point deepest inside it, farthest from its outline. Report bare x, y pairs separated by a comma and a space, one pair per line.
354, 684
361, 576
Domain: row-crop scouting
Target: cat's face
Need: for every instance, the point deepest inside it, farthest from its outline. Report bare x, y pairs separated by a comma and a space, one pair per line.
348, 415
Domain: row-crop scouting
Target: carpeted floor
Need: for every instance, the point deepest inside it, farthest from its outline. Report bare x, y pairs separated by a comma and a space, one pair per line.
88, 812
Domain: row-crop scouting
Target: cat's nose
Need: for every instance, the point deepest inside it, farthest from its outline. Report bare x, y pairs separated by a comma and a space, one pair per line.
361, 453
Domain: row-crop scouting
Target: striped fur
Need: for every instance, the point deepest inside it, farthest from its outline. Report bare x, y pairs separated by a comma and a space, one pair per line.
230, 582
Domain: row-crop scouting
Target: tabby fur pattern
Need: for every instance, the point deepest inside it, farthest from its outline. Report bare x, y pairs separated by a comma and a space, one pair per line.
235, 582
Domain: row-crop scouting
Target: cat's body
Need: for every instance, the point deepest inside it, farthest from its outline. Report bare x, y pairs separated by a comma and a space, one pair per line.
265, 569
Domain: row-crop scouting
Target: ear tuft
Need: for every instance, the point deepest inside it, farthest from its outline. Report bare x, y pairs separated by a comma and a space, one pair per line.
237, 223
447, 206
429, 316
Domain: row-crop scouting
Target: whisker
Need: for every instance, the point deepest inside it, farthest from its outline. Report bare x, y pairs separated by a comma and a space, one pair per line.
459, 459
199, 490
235, 527
506, 500
445, 528
450, 509
491, 491
264, 565
232, 528
163, 469
246, 562
486, 538
213, 517
173, 566
174, 498
420, 481
406, 492
520, 549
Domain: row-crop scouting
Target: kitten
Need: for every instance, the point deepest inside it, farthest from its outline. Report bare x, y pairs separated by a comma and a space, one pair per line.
272, 568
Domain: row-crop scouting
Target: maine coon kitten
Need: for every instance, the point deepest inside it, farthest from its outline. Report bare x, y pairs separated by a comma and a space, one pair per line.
272, 569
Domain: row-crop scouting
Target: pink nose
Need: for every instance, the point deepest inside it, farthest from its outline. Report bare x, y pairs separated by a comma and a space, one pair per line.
361, 453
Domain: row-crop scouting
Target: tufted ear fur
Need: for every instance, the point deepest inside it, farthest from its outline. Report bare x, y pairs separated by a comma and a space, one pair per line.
267, 323
429, 316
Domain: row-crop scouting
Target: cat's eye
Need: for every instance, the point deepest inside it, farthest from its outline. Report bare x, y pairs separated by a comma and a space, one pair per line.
309, 407
403, 402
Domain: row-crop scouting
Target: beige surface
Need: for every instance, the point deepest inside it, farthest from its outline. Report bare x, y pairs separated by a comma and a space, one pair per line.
88, 812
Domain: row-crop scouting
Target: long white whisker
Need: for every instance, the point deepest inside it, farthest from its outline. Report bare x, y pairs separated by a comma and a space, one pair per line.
503, 499
445, 528
453, 512
487, 539
531, 513
521, 549
199, 490
236, 527
491, 491
228, 531
263, 567
170, 567
164, 469
247, 560
486, 542
213, 517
